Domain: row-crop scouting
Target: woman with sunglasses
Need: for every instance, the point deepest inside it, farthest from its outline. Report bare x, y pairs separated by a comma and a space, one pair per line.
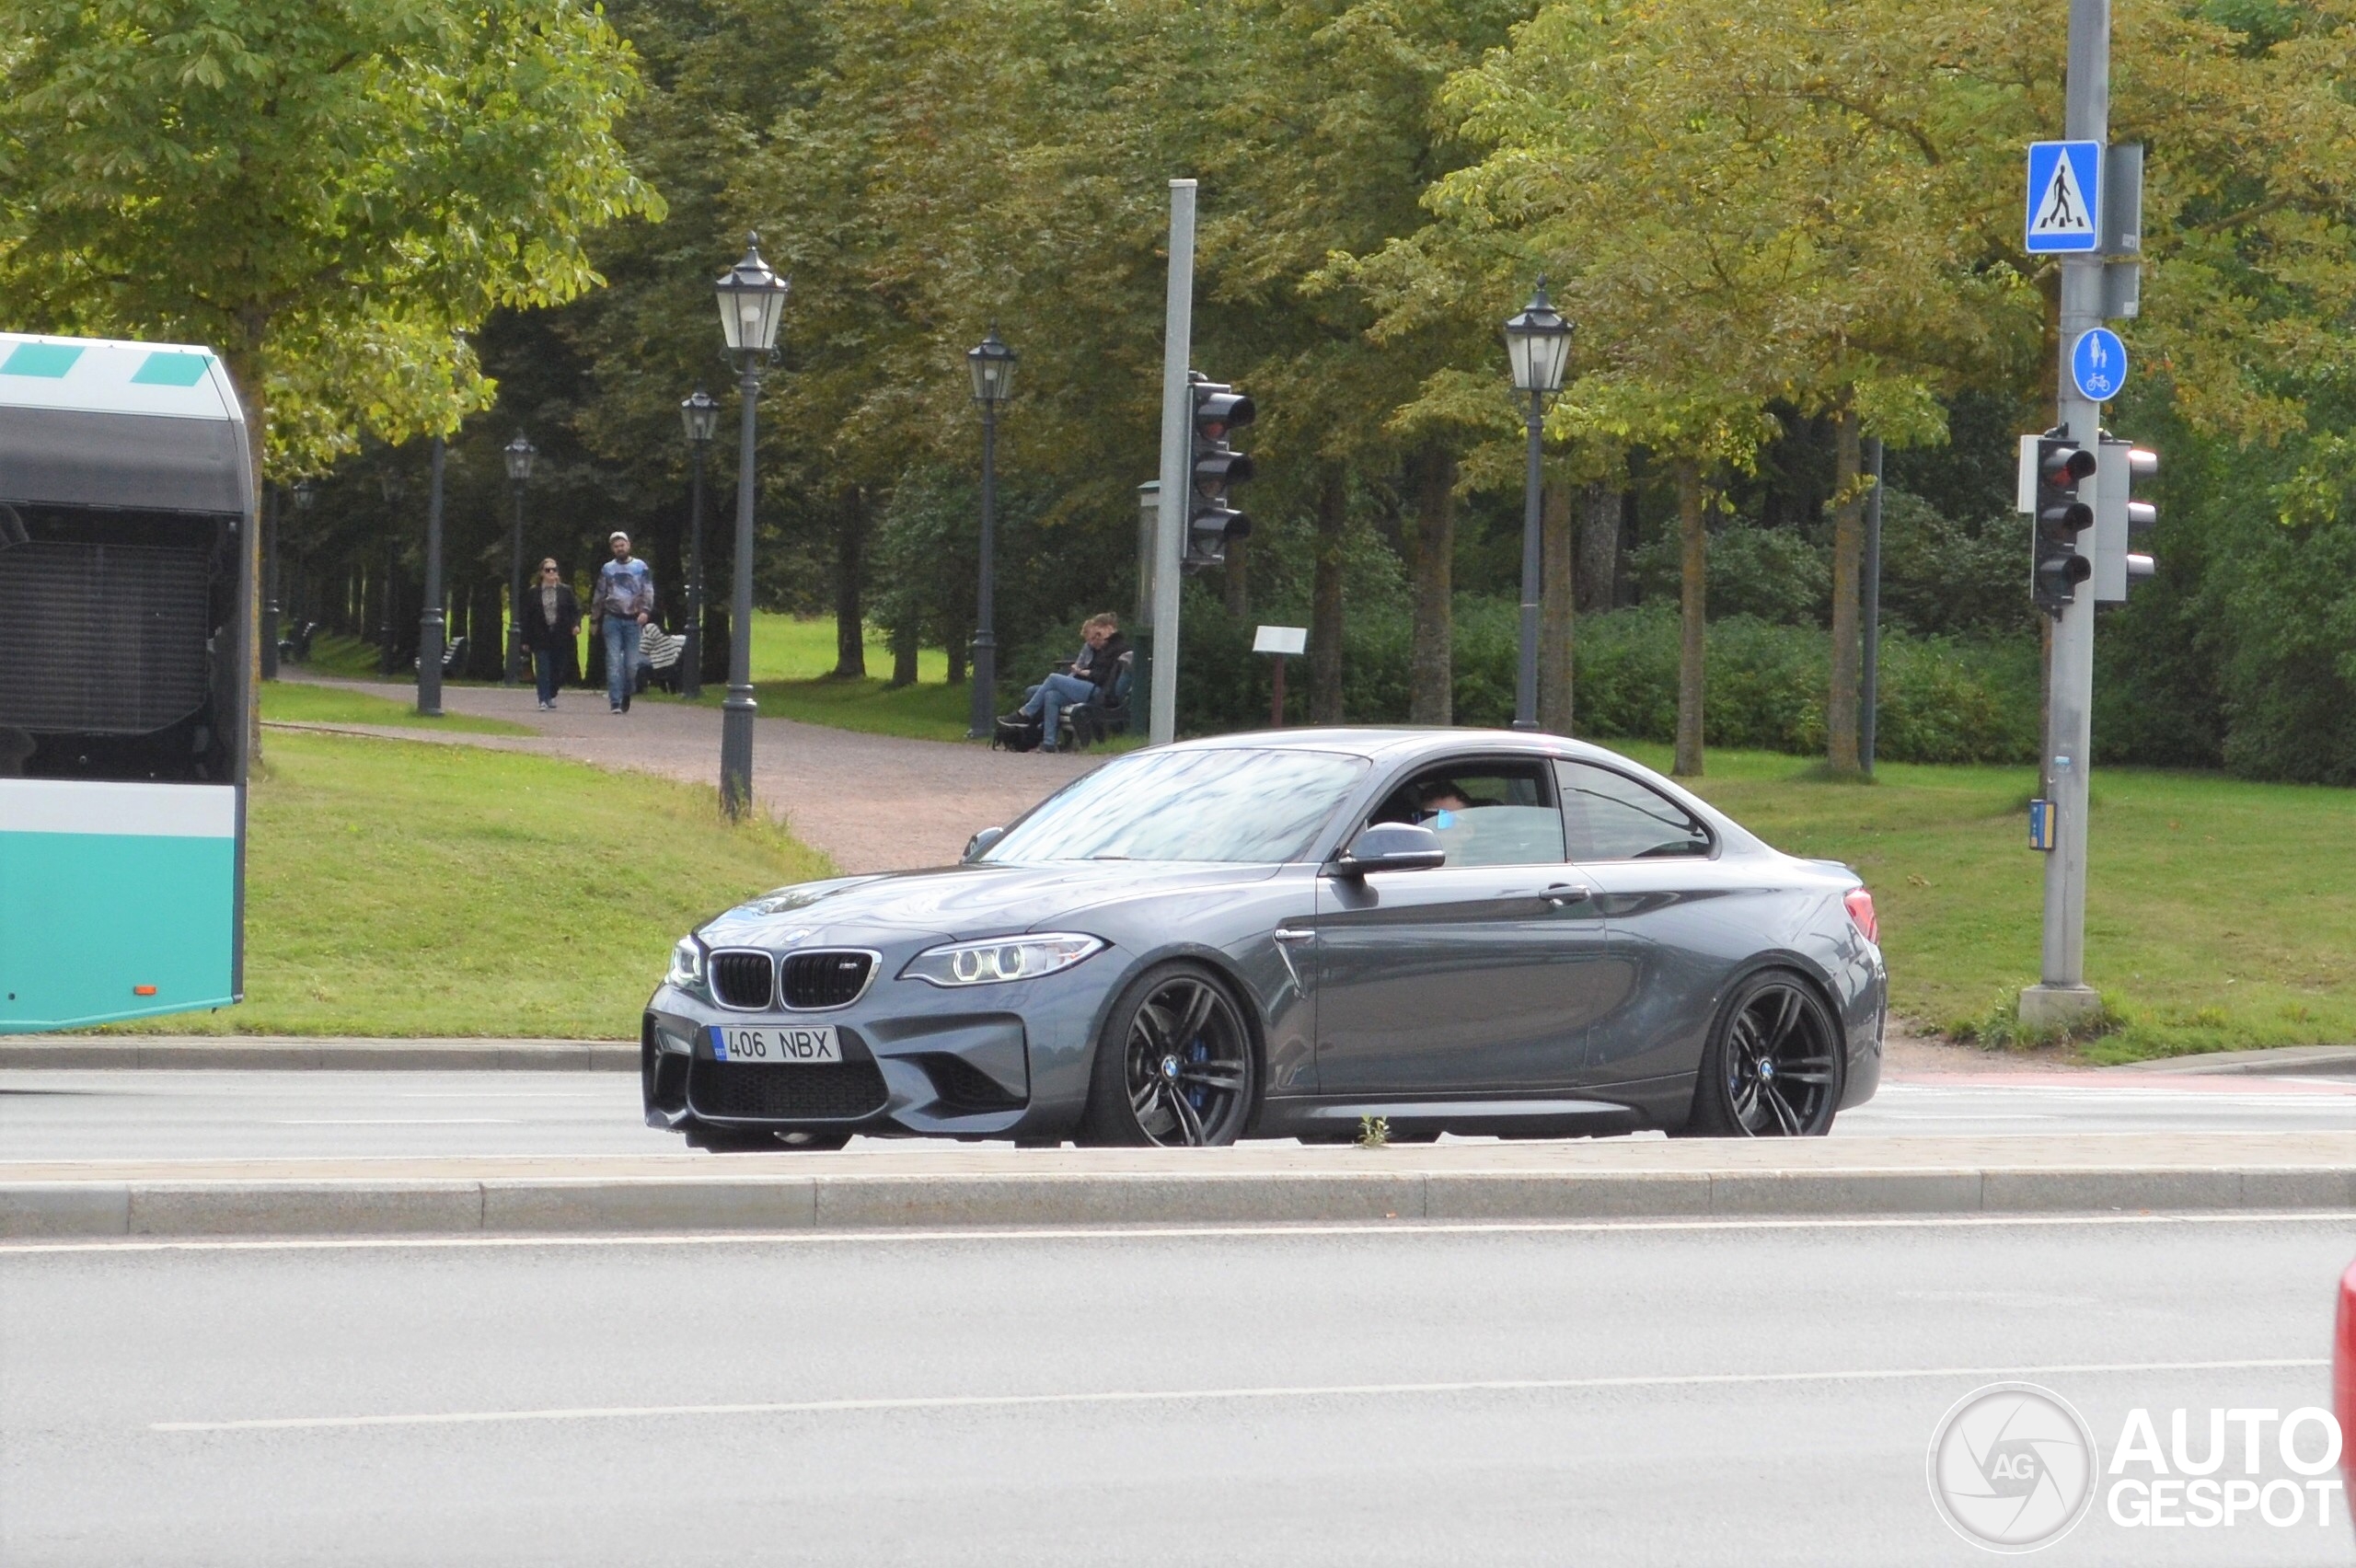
552, 619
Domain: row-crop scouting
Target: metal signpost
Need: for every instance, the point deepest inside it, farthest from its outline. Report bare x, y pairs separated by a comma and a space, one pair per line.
1281, 642
1177, 404
2065, 217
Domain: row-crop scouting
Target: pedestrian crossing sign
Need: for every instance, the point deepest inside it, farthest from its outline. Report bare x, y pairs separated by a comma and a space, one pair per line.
2064, 197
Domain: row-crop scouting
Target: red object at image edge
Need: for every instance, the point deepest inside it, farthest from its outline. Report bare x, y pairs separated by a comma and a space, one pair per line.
2343, 1365
1860, 904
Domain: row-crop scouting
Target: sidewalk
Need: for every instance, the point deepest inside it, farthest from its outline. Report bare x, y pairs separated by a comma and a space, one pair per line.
873, 803
2202, 1172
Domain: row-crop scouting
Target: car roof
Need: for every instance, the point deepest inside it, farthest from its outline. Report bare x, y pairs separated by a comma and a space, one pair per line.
1398, 742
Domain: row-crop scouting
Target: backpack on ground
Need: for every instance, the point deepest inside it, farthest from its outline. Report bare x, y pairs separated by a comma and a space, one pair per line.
1017, 734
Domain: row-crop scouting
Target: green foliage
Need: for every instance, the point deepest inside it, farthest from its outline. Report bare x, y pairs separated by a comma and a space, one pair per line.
324, 191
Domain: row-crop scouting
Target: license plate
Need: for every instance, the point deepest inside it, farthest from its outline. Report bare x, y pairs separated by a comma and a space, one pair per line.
778, 1047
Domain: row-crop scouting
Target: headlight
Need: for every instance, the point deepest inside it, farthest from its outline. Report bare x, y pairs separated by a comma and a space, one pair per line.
1006, 957
687, 964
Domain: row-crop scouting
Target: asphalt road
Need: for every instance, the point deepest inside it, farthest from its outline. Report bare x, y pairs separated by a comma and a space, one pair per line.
155, 1114
1744, 1393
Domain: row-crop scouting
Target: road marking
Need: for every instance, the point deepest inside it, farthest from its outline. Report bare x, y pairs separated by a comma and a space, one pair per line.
1413, 1228
398, 1122
1192, 1396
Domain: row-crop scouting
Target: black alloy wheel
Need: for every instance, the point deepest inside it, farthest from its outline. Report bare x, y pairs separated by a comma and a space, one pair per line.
1773, 1069
1174, 1067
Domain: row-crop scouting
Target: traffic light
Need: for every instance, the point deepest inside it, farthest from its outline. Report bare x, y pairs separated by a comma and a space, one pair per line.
1218, 411
2057, 567
2120, 520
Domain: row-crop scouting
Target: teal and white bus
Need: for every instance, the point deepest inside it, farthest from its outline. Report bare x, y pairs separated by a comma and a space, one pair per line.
126, 522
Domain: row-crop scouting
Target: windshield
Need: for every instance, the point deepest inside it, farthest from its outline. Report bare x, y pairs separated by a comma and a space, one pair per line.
1232, 805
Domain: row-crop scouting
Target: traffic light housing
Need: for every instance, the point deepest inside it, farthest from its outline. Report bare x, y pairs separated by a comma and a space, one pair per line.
2120, 520
2057, 566
1218, 411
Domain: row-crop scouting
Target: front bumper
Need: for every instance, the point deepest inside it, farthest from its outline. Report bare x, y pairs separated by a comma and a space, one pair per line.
995, 1061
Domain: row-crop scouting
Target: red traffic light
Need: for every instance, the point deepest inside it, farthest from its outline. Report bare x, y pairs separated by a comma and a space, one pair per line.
2060, 465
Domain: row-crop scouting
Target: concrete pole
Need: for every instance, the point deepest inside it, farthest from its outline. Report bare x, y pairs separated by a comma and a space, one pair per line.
1177, 484
2063, 997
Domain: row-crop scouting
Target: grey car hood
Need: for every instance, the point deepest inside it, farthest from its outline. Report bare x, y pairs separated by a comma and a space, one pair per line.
955, 902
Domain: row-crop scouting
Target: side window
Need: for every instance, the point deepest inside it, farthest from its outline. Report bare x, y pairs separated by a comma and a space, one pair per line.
1485, 812
1610, 816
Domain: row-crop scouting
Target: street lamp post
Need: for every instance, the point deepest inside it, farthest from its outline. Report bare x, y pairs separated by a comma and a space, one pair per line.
992, 363
752, 301
429, 624
519, 454
700, 412
1538, 341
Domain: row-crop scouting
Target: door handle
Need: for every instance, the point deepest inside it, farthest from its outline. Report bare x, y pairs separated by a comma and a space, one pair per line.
1288, 934
1562, 895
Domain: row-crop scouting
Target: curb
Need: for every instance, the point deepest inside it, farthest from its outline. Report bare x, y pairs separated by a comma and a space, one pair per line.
254, 1053
592, 1205
2276, 1061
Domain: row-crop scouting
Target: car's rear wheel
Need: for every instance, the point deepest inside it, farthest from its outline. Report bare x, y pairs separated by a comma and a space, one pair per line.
1772, 1067
1174, 1068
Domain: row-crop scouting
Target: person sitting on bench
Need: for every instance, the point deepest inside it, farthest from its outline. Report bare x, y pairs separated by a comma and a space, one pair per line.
1090, 674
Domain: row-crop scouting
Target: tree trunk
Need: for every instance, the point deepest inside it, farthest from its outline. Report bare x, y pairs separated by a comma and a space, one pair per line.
1326, 596
903, 656
850, 629
1694, 570
1598, 550
1557, 596
1431, 560
1848, 557
1239, 580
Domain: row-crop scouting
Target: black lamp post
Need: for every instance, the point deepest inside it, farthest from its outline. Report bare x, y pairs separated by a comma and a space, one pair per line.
1537, 341
519, 454
700, 412
429, 624
752, 303
992, 363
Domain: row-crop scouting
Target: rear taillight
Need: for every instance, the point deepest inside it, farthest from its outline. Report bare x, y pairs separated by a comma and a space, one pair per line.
1861, 910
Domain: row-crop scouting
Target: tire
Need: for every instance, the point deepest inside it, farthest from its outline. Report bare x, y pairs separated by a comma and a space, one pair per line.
1774, 1064
1174, 1068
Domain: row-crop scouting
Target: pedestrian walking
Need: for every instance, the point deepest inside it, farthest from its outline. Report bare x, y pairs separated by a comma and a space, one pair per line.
549, 619
622, 604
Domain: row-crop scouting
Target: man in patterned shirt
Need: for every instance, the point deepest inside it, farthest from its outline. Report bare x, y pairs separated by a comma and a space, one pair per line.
622, 604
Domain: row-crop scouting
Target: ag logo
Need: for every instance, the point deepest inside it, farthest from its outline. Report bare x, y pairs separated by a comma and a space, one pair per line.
2012, 1467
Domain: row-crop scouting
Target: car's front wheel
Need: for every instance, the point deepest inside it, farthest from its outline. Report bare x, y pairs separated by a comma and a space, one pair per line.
1173, 1067
1772, 1067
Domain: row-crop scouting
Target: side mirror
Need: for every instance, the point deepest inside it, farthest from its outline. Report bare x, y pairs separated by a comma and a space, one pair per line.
1392, 847
982, 841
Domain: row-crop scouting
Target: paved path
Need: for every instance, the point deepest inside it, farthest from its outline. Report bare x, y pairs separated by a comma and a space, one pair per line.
1687, 1396
873, 803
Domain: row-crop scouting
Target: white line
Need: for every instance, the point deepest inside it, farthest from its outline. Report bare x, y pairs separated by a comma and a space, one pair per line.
1398, 1229
398, 1122
1189, 1396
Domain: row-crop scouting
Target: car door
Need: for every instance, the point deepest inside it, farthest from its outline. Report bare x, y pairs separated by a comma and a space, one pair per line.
1675, 914
1479, 977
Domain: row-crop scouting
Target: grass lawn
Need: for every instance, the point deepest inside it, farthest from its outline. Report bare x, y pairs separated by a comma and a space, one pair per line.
401, 889
2220, 915
298, 702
